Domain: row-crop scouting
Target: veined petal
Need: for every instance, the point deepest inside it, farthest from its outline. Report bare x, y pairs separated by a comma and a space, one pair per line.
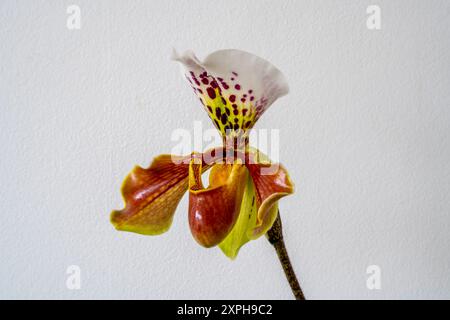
272, 182
235, 87
152, 195
213, 211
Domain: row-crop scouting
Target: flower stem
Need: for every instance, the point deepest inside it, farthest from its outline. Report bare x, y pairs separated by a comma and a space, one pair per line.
275, 237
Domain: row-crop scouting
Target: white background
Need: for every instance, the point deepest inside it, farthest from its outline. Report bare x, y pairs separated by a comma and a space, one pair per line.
364, 135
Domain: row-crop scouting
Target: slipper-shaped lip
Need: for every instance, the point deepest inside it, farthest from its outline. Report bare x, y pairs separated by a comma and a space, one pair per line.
213, 211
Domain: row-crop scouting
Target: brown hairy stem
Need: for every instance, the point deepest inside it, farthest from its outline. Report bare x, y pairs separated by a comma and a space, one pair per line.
275, 237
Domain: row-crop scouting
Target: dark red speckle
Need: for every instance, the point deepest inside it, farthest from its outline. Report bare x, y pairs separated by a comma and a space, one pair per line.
224, 118
211, 93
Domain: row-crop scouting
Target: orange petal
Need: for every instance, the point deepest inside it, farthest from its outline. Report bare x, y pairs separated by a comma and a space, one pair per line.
152, 195
214, 211
272, 182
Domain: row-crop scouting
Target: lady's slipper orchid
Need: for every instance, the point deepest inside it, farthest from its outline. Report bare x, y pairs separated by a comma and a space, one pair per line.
241, 201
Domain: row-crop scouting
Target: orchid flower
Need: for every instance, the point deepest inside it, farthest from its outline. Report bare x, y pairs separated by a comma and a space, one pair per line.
241, 202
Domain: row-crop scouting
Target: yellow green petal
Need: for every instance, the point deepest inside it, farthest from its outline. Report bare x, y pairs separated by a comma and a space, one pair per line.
246, 222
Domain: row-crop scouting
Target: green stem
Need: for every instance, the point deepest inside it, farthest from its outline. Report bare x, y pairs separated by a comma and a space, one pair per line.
275, 237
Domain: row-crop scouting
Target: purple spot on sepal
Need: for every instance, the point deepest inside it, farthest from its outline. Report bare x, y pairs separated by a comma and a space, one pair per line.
211, 92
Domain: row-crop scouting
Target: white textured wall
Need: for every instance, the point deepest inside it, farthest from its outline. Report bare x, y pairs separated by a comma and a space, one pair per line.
365, 136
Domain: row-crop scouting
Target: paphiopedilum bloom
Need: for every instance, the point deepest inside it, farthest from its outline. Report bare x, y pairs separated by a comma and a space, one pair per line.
241, 202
